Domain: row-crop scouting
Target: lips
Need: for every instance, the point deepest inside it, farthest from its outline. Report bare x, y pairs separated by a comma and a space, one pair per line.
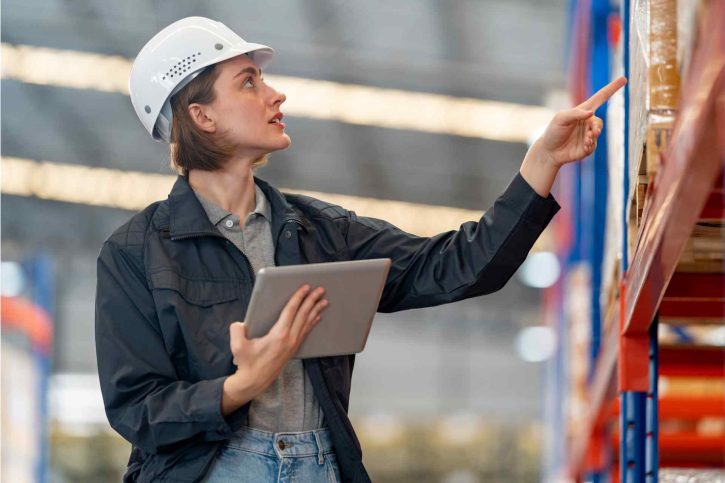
277, 120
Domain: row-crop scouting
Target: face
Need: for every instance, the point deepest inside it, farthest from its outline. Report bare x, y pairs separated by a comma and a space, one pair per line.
245, 107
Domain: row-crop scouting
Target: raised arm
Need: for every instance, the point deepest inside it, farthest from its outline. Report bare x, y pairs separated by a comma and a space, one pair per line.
477, 259
481, 256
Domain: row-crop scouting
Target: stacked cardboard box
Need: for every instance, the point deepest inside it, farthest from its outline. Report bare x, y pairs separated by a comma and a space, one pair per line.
662, 36
654, 94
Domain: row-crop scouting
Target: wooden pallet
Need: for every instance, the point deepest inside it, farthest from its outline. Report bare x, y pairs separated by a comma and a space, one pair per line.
657, 138
705, 251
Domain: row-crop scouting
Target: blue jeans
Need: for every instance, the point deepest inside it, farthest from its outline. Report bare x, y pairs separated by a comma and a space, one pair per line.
259, 456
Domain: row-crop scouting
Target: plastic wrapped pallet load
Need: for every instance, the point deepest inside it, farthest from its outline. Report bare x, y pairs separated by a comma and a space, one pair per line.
612, 256
654, 94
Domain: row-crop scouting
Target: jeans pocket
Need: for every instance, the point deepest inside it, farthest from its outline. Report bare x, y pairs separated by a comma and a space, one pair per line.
333, 471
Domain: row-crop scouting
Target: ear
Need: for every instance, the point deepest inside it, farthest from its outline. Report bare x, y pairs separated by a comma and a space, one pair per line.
202, 117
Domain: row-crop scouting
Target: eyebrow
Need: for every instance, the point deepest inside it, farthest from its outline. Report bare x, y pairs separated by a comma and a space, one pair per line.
250, 70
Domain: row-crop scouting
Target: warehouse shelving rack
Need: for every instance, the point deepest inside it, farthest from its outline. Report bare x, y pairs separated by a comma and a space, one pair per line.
626, 355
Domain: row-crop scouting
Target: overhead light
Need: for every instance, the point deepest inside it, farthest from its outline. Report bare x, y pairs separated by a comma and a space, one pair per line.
460, 429
535, 135
135, 190
13, 279
76, 402
129, 190
540, 270
381, 428
307, 98
535, 344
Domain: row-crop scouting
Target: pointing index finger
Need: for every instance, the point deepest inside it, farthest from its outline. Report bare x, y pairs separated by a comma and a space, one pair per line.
601, 96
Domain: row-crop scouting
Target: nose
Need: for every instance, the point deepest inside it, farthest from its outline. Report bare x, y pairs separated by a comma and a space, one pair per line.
277, 97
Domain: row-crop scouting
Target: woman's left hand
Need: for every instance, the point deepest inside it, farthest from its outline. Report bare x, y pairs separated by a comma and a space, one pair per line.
572, 135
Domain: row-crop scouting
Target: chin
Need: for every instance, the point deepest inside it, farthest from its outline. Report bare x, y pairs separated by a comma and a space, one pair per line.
283, 143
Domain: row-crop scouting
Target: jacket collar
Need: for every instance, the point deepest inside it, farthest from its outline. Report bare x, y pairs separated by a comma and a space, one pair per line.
187, 216
216, 213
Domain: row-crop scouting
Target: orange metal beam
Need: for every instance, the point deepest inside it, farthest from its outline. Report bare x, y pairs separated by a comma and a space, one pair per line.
633, 353
685, 408
692, 361
714, 206
694, 295
22, 315
687, 448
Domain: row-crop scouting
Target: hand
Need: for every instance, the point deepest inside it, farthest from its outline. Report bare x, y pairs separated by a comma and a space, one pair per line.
260, 361
572, 134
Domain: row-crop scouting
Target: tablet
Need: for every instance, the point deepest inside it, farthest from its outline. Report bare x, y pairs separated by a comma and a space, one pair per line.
353, 289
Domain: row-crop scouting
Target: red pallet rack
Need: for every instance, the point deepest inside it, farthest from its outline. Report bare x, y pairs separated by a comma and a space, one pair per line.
687, 187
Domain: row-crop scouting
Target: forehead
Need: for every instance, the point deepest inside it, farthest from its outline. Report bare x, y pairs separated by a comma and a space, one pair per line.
230, 67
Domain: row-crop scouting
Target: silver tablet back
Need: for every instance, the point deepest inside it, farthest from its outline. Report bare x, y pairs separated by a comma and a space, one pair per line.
353, 289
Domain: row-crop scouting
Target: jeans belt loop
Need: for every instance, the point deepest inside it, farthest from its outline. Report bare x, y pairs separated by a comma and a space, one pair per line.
320, 455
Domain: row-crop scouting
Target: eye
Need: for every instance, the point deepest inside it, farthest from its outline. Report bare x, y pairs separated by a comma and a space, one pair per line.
248, 80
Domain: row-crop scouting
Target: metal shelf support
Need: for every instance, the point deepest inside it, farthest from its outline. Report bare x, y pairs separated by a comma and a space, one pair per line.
652, 429
632, 429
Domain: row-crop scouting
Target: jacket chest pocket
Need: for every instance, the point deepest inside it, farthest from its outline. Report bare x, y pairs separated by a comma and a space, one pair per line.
194, 315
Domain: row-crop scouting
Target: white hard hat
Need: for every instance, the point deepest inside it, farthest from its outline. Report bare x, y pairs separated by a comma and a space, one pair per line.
173, 57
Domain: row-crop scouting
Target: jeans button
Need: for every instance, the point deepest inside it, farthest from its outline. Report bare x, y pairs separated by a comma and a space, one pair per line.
288, 234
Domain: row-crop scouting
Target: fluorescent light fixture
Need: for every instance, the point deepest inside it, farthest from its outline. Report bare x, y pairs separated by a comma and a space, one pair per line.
381, 428
307, 98
13, 282
460, 429
535, 135
535, 344
135, 190
129, 190
76, 402
540, 270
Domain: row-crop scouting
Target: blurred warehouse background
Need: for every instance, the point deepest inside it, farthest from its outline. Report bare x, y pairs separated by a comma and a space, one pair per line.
415, 111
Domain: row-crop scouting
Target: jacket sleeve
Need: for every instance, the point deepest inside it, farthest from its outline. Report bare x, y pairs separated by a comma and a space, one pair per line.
477, 259
143, 398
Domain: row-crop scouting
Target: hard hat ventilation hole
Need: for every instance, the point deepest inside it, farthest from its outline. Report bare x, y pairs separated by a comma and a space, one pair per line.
218, 46
181, 67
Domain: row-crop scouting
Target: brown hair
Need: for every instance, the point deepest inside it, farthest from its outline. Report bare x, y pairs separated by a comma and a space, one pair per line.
191, 147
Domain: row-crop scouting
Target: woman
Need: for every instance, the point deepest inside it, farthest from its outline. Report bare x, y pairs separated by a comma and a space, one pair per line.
180, 380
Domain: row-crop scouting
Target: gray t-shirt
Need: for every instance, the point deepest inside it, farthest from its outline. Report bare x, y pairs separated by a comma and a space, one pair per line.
289, 404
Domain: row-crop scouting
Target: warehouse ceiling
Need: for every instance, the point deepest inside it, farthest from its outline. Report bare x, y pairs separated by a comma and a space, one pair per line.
505, 51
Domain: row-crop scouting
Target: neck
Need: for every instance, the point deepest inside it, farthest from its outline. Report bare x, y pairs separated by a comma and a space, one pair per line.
230, 187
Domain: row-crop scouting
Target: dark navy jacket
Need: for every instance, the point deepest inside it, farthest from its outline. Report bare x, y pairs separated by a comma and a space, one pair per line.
169, 284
